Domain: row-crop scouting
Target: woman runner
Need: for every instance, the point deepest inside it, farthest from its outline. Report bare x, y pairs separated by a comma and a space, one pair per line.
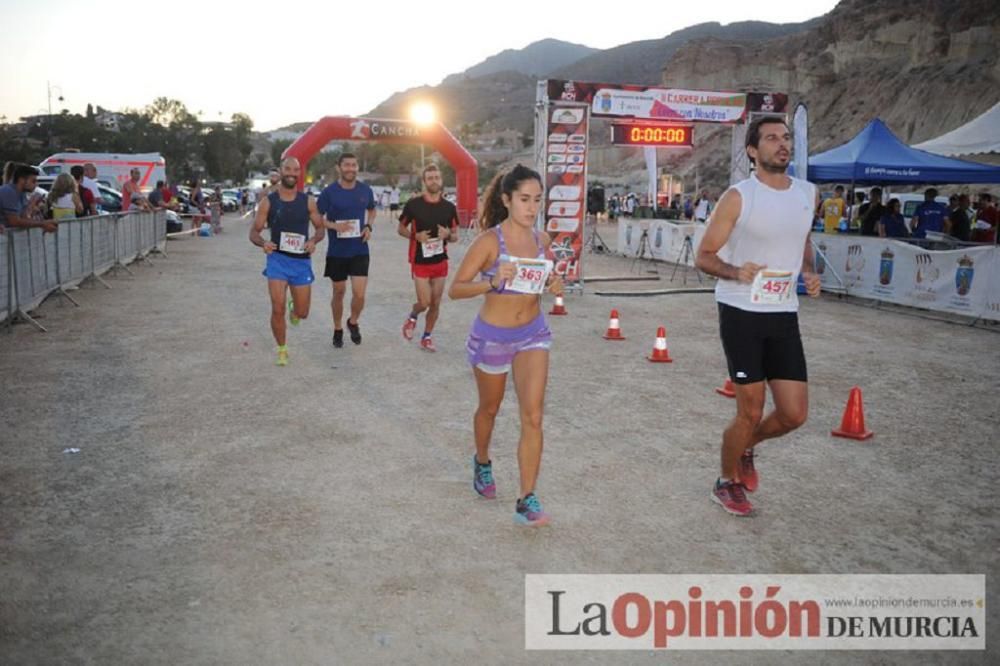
510, 332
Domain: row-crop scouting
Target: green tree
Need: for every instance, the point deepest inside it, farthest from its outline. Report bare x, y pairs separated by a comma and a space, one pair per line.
242, 132
277, 148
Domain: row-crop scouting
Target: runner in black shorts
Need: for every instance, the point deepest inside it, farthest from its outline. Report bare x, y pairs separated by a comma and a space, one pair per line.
349, 207
757, 244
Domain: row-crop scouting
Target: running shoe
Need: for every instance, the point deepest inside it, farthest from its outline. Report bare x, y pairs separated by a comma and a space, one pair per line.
748, 473
529, 512
731, 497
409, 327
427, 344
482, 479
282, 357
355, 330
292, 319
338, 338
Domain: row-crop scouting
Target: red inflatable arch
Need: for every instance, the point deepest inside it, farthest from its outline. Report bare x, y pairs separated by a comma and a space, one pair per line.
396, 131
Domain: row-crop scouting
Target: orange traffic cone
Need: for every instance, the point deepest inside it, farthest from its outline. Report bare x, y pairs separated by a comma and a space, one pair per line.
660, 353
727, 389
614, 328
853, 423
558, 308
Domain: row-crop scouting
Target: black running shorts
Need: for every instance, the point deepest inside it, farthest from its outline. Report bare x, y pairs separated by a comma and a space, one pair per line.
762, 345
339, 268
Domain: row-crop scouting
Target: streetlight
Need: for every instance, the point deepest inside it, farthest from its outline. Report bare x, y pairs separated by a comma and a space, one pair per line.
49, 88
423, 114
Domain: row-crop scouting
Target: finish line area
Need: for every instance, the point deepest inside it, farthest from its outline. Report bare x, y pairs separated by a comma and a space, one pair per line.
221, 509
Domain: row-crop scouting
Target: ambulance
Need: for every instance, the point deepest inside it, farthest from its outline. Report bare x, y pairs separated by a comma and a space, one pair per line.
112, 169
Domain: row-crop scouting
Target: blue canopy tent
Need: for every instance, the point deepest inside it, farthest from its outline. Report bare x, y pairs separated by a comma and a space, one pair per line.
876, 157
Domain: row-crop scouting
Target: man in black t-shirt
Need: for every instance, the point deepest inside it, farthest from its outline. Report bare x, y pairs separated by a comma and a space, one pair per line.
957, 223
872, 215
430, 222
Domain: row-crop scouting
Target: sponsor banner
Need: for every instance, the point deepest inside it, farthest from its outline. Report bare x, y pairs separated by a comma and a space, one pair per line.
666, 238
755, 612
963, 281
367, 128
565, 173
610, 100
800, 137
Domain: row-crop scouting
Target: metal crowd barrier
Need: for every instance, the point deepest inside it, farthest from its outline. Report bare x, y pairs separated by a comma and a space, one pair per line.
34, 265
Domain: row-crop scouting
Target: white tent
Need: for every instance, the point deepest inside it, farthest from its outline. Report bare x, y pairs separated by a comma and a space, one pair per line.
980, 135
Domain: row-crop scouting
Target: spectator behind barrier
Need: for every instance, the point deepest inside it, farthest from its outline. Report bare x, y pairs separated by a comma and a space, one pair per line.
987, 218
155, 197
930, 215
63, 201
832, 210
958, 224
16, 209
892, 224
86, 196
871, 213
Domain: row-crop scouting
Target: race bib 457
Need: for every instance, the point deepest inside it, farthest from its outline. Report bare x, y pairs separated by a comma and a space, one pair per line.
771, 287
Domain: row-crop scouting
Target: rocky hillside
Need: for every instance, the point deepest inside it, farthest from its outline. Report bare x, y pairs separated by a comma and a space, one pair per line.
923, 66
642, 62
504, 100
536, 59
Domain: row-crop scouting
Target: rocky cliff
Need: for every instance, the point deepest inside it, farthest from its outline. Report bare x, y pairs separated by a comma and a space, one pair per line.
922, 66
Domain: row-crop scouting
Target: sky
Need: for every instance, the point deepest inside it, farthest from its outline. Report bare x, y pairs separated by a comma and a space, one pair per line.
294, 62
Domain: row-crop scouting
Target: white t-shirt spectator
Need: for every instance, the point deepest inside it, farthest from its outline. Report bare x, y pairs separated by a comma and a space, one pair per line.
701, 212
91, 185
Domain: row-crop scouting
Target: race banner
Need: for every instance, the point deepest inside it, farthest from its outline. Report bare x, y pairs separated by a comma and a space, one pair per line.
964, 281
613, 100
665, 238
566, 144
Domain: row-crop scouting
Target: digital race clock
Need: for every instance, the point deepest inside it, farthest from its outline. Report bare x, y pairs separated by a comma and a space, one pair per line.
646, 134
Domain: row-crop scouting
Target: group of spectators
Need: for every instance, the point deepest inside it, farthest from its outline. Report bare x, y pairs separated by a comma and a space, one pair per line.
71, 195
960, 218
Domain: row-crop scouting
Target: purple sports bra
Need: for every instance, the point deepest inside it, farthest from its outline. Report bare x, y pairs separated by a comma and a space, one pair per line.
492, 270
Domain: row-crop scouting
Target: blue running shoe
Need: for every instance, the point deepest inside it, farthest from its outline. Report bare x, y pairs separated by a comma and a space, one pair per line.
482, 479
529, 512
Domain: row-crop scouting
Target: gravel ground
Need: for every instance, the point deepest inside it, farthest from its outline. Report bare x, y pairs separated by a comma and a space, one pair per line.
223, 510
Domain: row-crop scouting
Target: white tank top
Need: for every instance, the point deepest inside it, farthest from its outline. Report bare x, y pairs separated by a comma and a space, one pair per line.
771, 231
65, 201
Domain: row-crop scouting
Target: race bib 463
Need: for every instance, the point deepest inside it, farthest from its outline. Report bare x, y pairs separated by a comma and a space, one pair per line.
294, 243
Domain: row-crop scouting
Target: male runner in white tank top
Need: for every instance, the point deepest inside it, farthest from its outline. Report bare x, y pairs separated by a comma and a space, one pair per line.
757, 244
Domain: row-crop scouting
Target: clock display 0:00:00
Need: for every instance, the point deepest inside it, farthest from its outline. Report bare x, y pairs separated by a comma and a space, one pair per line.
650, 135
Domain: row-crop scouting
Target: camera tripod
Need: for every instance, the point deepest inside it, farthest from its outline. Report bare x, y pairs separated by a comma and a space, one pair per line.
684, 255
645, 254
595, 243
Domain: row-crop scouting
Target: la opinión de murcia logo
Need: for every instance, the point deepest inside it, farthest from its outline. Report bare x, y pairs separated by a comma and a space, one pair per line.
634, 616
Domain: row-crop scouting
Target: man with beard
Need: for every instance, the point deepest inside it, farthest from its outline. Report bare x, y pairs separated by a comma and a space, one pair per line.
349, 207
757, 244
430, 222
288, 212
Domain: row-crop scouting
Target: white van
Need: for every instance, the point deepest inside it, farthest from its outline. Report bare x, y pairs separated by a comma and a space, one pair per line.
112, 169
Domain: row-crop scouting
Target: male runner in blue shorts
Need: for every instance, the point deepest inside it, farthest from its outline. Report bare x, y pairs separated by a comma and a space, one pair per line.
288, 212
